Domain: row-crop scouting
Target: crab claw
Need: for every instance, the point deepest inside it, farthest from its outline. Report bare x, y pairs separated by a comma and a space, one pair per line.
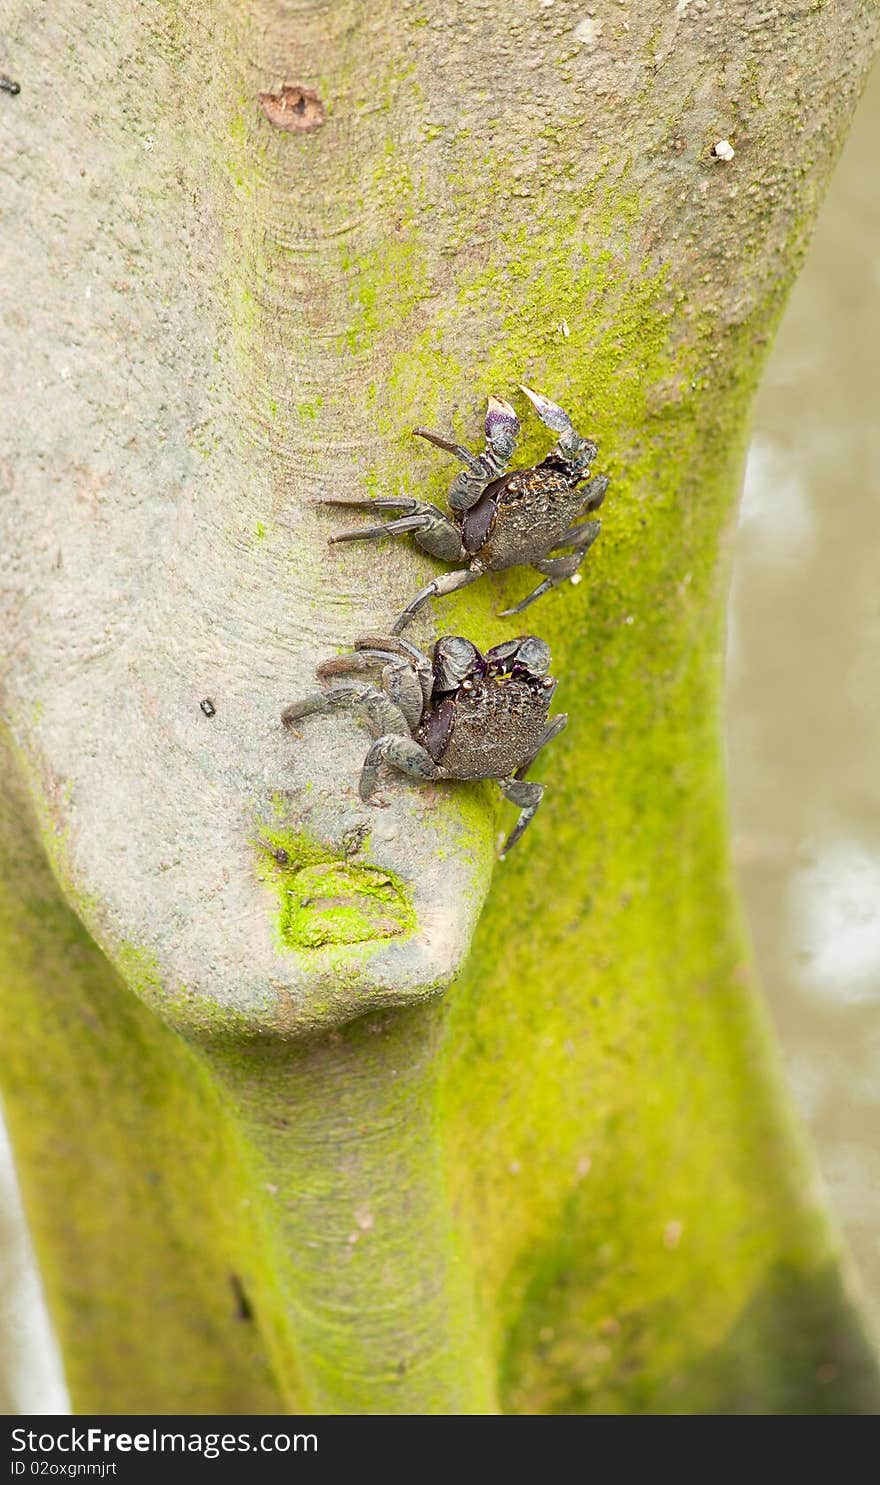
534, 654
454, 659
502, 426
550, 414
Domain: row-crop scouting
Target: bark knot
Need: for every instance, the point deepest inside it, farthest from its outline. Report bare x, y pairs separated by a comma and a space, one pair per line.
296, 109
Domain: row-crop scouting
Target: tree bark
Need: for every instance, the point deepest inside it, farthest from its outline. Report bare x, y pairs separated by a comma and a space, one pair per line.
390, 1152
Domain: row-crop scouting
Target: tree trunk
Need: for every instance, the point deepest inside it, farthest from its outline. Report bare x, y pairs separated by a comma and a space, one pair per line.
380, 1151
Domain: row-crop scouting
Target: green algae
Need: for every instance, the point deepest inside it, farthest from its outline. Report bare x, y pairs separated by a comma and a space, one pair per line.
131, 1169
327, 899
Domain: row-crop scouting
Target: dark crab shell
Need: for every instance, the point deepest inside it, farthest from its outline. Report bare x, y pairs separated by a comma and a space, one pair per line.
523, 512
494, 718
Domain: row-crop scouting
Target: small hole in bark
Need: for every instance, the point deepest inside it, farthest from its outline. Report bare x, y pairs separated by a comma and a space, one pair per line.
293, 108
243, 1306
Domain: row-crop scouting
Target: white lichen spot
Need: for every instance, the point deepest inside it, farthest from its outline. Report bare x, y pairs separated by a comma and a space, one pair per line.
723, 150
588, 31
563, 326
682, 6
149, 143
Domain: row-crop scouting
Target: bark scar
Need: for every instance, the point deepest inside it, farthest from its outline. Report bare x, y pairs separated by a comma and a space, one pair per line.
293, 108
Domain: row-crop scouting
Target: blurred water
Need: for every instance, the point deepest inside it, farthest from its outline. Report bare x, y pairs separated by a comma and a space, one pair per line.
32, 1380
803, 736
804, 692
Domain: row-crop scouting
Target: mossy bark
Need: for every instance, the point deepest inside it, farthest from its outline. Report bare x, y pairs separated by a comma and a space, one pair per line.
571, 1182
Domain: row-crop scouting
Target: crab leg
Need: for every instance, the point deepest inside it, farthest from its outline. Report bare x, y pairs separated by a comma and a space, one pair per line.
402, 753
417, 516
530, 598
594, 492
528, 796
417, 522
359, 660
580, 538
434, 532
394, 645
408, 686
377, 502
450, 582
377, 710
464, 455
557, 569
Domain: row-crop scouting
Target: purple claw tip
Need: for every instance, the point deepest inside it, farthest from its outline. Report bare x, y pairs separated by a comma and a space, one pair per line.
537, 399
501, 419
551, 415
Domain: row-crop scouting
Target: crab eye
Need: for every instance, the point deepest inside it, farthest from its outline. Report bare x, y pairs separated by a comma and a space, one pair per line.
548, 681
467, 685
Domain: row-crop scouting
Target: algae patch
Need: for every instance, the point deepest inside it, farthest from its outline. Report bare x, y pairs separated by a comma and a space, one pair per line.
327, 899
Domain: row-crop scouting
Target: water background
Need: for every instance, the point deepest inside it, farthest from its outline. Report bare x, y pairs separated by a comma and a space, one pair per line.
804, 692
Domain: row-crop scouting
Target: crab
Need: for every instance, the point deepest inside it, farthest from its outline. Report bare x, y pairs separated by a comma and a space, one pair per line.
500, 518
456, 715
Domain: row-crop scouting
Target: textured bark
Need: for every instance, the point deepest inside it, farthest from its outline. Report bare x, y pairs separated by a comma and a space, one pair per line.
570, 1183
